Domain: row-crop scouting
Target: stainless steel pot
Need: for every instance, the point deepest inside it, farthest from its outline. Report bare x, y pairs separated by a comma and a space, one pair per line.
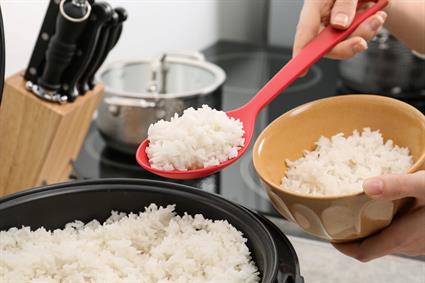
139, 93
386, 67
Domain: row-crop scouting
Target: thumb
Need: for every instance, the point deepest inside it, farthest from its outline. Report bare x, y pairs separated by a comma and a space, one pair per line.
393, 187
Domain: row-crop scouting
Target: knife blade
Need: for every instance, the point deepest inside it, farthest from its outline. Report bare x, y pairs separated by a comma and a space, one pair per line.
71, 21
36, 64
82, 85
114, 37
100, 15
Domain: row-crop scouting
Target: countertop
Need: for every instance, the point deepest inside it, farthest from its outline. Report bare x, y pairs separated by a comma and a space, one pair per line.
320, 262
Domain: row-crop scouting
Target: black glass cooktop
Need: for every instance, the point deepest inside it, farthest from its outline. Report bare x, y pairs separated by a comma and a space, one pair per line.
247, 68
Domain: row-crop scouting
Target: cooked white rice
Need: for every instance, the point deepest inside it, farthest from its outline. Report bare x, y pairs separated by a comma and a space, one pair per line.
153, 246
339, 165
199, 138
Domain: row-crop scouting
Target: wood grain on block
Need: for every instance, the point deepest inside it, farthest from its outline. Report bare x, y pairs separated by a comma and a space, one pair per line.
38, 139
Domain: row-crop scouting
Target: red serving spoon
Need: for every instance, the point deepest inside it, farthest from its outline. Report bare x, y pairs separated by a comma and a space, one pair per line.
309, 55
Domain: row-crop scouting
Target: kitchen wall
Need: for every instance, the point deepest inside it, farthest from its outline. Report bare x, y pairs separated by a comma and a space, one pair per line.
153, 26
283, 19
243, 20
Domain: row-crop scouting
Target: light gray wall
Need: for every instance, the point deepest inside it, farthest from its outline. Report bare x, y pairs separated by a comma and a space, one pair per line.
242, 20
154, 26
283, 19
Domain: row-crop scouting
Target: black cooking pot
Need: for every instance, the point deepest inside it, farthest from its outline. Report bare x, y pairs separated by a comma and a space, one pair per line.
53, 206
387, 66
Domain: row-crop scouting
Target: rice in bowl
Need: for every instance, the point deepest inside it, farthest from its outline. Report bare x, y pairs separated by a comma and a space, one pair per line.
199, 138
153, 246
339, 164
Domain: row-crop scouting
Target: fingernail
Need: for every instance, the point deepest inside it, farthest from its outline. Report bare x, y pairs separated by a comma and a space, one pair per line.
359, 47
373, 187
340, 19
376, 23
383, 15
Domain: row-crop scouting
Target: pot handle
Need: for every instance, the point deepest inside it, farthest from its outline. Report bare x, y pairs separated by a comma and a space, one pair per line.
296, 279
194, 55
118, 101
289, 277
159, 69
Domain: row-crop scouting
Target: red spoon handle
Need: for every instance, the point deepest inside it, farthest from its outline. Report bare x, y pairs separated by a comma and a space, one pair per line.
310, 54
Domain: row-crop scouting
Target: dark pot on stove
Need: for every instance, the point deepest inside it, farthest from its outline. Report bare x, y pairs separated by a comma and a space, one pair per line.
386, 67
139, 93
53, 206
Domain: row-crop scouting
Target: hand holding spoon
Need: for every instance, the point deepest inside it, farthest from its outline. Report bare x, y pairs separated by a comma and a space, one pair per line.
309, 55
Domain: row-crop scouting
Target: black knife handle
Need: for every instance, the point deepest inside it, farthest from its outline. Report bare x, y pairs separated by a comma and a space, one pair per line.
114, 36
100, 15
70, 23
82, 85
123, 16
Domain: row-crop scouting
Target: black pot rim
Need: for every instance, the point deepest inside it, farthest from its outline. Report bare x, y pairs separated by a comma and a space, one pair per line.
283, 239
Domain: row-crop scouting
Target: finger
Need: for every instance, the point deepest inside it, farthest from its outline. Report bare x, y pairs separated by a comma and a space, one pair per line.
369, 28
349, 249
343, 13
307, 28
393, 239
348, 48
357, 41
393, 187
304, 73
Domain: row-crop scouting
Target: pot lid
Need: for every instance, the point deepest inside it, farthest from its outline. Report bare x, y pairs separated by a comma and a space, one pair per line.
168, 75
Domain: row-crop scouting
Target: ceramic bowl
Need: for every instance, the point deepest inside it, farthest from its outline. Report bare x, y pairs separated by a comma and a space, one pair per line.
346, 217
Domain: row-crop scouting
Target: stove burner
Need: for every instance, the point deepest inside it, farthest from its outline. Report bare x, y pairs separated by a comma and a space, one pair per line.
254, 69
97, 160
249, 176
416, 98
97, 148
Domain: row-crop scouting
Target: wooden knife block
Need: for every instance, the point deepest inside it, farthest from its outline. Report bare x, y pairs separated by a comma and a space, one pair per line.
38, 139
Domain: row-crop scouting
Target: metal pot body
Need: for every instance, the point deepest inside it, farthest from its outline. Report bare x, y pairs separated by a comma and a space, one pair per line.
386, 67
95, 199
138, 94
123, 122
